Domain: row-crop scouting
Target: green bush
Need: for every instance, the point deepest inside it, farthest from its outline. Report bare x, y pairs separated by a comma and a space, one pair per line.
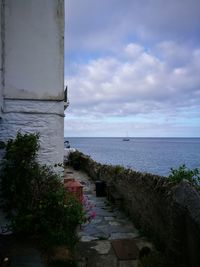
33, 196
118, 169
183, 173
75, 160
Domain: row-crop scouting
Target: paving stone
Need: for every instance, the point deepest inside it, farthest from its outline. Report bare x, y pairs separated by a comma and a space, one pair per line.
88, 238
100, 203
122, 235
103, 236
97, 220
86, 254
113, 229
110, 218
91, 229
102, 247
114, 223
102, 212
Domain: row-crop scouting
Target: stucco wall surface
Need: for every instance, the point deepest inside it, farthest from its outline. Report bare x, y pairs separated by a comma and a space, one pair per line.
45, 117
34, 44
169, 214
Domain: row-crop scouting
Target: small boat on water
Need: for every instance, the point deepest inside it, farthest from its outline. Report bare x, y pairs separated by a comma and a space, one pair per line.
126, 139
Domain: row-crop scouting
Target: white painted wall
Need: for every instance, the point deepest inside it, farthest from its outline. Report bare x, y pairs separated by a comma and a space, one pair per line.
34, 74
1, 89
34, 116
34, 49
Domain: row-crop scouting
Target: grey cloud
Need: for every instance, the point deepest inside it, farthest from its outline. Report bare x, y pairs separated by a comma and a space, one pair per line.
93, 24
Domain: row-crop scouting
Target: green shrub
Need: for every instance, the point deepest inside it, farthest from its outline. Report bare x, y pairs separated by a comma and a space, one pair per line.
33, 196
75, 160
118, 169
183, 173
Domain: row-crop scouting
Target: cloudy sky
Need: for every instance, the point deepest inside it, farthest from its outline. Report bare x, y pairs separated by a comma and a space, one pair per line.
133, 66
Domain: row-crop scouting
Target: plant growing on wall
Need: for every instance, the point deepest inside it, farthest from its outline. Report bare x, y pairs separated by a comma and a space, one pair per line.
183, 173
33, 196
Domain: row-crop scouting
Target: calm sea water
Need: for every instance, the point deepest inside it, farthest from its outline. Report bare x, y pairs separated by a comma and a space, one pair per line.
154, 155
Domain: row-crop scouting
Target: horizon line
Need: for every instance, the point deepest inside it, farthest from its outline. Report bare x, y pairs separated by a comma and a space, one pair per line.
132, 137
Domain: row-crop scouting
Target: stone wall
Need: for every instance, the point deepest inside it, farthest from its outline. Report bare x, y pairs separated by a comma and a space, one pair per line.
168, 214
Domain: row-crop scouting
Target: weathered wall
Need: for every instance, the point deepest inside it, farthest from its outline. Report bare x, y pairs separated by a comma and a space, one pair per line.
169, 214
36, 116
32, 80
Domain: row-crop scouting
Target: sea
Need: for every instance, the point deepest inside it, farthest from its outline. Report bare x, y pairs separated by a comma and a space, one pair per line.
153, 155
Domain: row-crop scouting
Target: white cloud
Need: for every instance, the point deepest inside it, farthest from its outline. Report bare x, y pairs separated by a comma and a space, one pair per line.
133, 50
135, 85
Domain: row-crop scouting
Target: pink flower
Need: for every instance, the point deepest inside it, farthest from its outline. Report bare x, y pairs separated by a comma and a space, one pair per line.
92, 214
88, 208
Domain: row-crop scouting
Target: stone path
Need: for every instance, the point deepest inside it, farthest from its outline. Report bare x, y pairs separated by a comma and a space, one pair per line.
109, 240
